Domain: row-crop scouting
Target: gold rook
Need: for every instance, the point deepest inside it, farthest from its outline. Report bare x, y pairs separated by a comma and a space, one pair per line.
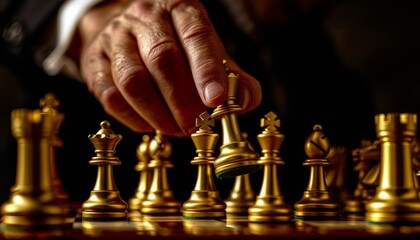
33, 202
397, 197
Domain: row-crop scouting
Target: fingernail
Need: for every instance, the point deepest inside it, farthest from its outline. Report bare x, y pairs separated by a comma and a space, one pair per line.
213, 90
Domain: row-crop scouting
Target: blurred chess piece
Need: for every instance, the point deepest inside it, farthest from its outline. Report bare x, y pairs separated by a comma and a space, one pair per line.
204, 202
242, 196
160, 199
235, 158
416, 162
144, 158
34, 203
270, 205
49, 104
397, 198
336, 173
104, 203
367, 159
317, 202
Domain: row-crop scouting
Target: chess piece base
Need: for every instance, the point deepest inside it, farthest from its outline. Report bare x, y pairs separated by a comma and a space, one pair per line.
104, 216
162, 204
204, 204
269, 209
401, 211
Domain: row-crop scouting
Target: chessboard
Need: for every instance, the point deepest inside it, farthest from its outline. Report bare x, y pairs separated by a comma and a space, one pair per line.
385, 203
233, 227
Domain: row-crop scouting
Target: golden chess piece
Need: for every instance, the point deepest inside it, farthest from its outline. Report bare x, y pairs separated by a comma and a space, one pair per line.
143, 156
242, 196
104, 203
204, 202
416, 162
317, 202
50, 103
367, 159
33, 203
160, 199
397, 199
236, 157
336, 173
270, 205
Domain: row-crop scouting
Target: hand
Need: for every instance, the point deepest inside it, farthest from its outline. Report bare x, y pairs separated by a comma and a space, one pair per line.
157, 64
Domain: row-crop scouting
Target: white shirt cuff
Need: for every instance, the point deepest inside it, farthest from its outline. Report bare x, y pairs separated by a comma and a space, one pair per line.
68, 17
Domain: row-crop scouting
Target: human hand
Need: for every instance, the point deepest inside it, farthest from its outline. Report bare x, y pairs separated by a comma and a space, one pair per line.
157, 64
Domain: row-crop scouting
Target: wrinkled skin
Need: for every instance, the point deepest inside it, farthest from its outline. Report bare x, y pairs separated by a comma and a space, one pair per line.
157, 64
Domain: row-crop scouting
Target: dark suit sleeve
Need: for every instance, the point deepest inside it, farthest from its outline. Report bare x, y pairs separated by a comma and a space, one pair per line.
23, 25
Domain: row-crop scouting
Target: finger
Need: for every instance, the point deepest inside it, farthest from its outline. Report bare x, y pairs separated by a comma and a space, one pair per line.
132, 79
249, 93
205, 52
161, 53
95, 69
203, 49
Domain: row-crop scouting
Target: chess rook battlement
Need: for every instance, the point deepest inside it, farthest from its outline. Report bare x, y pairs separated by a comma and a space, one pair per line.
390, 123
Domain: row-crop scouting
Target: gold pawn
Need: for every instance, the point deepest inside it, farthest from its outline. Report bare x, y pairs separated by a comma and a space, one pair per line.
204, 202
160, 199
397, 198
316, 202
104, 203
270, 205
33, 203
242, 196
235, 158
142, 153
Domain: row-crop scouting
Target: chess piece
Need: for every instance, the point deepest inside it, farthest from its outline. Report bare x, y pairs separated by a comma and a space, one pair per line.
416, 162
160, 199
104, 203
270, 205
242, 196
336, 173
143, 156
317, 202
50, 103
235, 158
367, 159
33, 203
397, 199
204, 202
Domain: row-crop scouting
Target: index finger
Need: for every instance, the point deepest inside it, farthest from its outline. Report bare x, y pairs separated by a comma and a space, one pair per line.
203, 49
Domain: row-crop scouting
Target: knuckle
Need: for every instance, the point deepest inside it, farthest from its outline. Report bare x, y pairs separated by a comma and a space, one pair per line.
162, 54
197, 26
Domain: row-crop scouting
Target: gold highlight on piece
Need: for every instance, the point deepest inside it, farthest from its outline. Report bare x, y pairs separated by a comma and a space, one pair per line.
34, 200
160, 199
204, 202
236, 157
104, 203
270, 205
397, 198
317, 202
